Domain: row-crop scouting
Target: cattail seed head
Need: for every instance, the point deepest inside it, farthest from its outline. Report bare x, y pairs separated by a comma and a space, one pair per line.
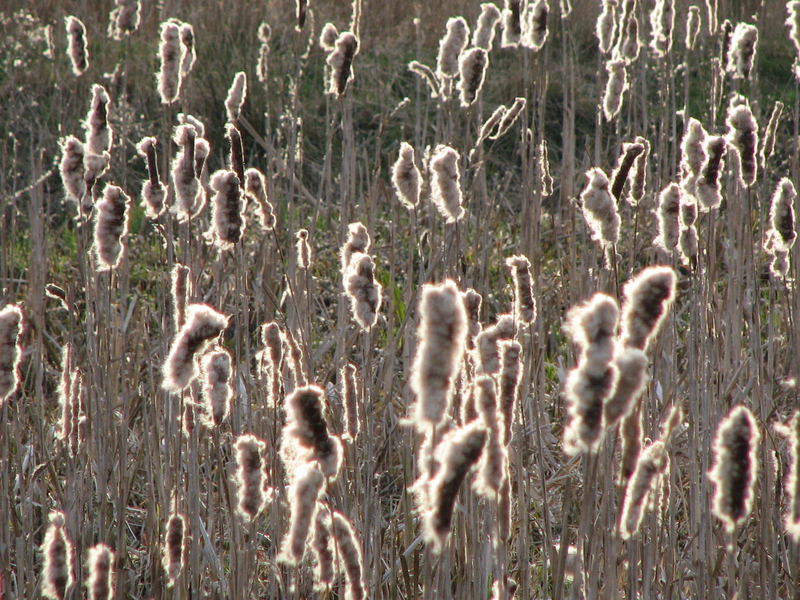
487, 343
606, 22
509, 118
363, 290
446, 183
99, 136
340, 60
781, 214
262, 67
350, 552
236, 96
170, 52
216, 369
358, 241
653, 462
630, 43
524, 303
490, 125
687, 243
307, 484
512, 24
322, 546
256, 189
307, 429
179, 292
742, 51
472, 306
350, 387
616, 86
294, 359
768, 142
71, 168
491, 469
174, 552
59, 558
735, 466
328, 36
631, 429
190, 195
227, 220
188, 55
203, 323
534, 33
77, 46
743, 135
100, 564
303, 249
154, 193
648, 298
483, 35
630, 152
639, 174
451, 46
662, 20
442, 336
406, 177
251, 477
124, 19
668, 215
111, 227
472, 67
791, 431
94, 167
707, 186
692, 26
510, 375
631, 364
793, 21
693, 150
599, 208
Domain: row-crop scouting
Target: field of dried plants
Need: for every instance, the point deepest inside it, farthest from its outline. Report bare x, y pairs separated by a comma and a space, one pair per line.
314, 299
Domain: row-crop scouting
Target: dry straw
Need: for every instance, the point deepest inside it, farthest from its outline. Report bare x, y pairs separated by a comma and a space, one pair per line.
793, 21
406, 177
544, 170
768, 141
59, 559
791, 431
111, 227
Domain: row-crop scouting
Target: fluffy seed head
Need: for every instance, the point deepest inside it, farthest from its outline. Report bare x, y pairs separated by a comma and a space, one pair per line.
251, 477
307, 484
510, 375
154, 193
493, 460
307, 430
615, 88
599, 208
59, 558
303, 249
605, 26
524, 303
692, 26
483, 35
227, 220
534, 33
170, 52
236, 96
512, 24
631, 364
111, 227
630, 152
203, 323
639, 174
648, 298
328, 36
340, 61
782, 215
791, 431
406, 177
350, 552
350, 385
188, 52
446, 183
216, 368
707, 187
652, 463
358, 241
472, 67
100, 584
668, 214
71, 168
189, 194
742, 51
77, 46
472, 305
427, 75
362, 289
174, 552
451, 46
509, 118
743, 135
662, 20
99, 136
255, 187
321, 545
630, 46
487, 343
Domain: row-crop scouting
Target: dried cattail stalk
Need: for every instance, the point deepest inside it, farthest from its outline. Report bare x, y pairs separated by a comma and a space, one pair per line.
606, 23
631, 429
631, 364
544, 170
322, 546
768, 142
71, 168
510, 117
427, 75
364, 292
100, 564
735, 467
630, 152
203, 323
262, 67
99, 136
504, 508
648, 298
512, 24
472, 305
510, 375
171, 52
216, 371
350, 552
782, 216
451, 46
227, 220
236, 96
791, 431
188, 55
111, 227
472, 67
174, 551
77, 436
251, 477
190, 195
616, 86
487, 343
297, 369
350, 387
406, 177
668, 216
652, 463
742, 51
307, 429
692, 26
662, 20
303, 249
708, 186
442, 336
77, 46
256, 189
59, 558
534, 33
599, 208
446, 183
340, 61
65, 394
328, 36
743, 135
524, 303
793, 21
483, 35
639, 174
307, 484
154, 192
493, 460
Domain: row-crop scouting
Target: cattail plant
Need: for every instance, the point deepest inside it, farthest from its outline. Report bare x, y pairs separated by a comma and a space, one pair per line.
111, 227
472, 306
264, 35
358, 241
707, 187
350, 386
175, 545
99, 136
487, 343
188, 54
512, 23
629, 43
509, 118
124, 19
742, 53
606, 23
406, 177
65, 393
59, 558
340, 60
251, 477
508, 383
189, 193
307, 431
154, 192
668, 216
524, 303
100, 565
631, 433
484, 32
793, 21
735, 467
427, 75
592, 327
768, 141
328, 36
203, 324
227, 220
322, 547
446, 183
638, 174
71, 168
648, 298
544, 169
630, 152
693, 155
171, 53
451, 46
490, 126
303, 249
652, 463
743, 136
692, 26
179, 292
493, 459
458, 451
534, 33
599, 209
77, 46
687, 242
216, 372
255, 188
294, 360
631, 365
782, 214
791, 431
442, 336
307, 484
472, 67
350, 552
236, 96
362, 289
95, 166
662, 20
616, 86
